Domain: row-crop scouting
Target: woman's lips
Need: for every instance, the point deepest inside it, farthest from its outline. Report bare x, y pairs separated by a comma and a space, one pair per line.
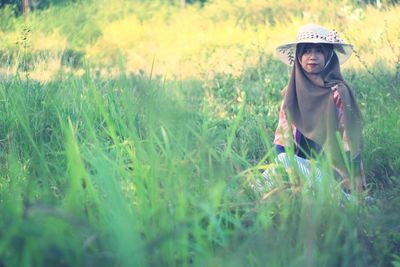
312, 65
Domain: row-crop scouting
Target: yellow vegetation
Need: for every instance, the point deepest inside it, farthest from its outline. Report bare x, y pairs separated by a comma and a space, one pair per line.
223, 36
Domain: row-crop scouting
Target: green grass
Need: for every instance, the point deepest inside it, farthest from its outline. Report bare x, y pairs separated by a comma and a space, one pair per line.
135, 171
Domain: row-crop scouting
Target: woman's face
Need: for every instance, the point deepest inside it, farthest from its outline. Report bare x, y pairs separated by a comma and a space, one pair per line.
313, 60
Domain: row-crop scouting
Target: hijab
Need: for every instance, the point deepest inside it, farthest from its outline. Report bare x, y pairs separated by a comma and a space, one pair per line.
312, 109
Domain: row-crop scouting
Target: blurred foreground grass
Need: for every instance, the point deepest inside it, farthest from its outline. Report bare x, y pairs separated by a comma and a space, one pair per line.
140, 169
134, 171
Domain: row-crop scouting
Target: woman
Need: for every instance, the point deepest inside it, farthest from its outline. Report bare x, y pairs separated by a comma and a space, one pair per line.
318, 107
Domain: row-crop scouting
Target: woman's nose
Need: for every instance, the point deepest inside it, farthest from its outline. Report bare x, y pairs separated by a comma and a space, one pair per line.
313, 53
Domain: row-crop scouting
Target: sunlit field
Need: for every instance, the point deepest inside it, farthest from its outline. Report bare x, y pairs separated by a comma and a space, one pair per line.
131, 133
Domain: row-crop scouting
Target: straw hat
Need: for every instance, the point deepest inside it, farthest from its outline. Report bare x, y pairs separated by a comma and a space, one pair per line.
312, 33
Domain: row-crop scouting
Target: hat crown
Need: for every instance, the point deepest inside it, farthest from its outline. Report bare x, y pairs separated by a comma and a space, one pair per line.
316, 33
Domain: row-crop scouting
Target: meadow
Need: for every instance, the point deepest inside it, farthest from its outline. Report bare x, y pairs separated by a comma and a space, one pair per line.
131, 132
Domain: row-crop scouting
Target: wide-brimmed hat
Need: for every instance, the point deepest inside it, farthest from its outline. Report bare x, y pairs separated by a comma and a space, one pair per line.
312, 33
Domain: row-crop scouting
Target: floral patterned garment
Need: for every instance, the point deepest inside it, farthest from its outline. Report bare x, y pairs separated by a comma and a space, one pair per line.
284, 140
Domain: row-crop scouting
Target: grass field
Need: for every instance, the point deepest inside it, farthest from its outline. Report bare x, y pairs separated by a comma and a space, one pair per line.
131, 132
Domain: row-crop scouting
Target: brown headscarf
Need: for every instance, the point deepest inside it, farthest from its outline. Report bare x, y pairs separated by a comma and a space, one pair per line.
312, 109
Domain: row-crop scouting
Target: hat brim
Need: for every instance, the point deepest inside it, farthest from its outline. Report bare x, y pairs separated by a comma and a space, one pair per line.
286, 52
